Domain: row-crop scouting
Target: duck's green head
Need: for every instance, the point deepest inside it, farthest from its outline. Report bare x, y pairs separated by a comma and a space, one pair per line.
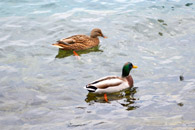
127, 68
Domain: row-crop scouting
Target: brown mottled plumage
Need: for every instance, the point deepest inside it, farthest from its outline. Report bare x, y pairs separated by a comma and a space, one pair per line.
80, 42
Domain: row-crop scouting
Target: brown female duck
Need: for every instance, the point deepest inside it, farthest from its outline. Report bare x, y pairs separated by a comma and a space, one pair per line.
80, 42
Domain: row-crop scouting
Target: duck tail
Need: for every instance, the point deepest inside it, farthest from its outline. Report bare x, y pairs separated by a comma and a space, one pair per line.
91, 88
62, 42
57, 45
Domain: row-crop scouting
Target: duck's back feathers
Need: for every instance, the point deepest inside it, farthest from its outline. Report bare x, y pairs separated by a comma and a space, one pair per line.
77, 42
108, 85
76, 39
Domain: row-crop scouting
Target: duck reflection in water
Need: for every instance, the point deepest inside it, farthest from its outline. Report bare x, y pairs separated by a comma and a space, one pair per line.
65, 53
126, 95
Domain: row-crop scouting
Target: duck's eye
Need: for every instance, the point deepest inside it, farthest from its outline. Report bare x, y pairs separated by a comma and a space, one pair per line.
98, 33
130, 65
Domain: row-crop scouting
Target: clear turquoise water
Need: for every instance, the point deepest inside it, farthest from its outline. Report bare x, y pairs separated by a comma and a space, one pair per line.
42, 87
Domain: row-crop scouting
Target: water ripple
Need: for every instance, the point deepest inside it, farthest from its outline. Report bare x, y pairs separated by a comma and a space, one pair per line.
41, 87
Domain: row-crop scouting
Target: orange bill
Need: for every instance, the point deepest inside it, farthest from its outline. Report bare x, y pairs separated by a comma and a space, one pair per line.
134, 66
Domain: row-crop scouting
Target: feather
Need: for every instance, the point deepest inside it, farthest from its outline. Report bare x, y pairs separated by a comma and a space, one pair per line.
91, 88
112, 84
106, 84
80, 42
63, 42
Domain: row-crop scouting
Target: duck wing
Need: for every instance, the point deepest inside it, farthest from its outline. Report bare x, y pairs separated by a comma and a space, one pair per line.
104, 83
74, 39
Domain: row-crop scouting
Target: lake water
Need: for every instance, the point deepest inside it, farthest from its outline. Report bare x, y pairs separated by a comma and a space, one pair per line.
41, 87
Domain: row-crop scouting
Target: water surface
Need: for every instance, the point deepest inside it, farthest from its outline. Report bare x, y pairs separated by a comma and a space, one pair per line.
41, 87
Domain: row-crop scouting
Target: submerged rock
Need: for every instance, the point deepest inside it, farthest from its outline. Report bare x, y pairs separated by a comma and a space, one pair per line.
181, 77
188, 4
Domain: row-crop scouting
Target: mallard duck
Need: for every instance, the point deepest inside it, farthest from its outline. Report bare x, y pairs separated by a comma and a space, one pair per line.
80, 42
112, 84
